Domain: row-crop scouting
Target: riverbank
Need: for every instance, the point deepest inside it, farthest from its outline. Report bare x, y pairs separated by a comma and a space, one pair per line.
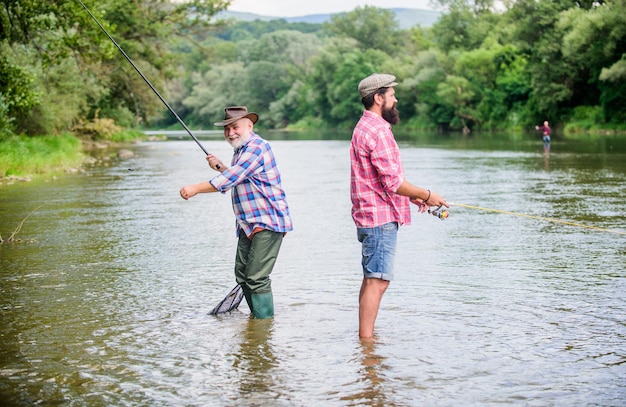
23, 159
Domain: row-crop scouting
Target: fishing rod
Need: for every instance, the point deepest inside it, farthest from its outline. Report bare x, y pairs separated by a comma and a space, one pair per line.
443, 214
234, 297
145, 79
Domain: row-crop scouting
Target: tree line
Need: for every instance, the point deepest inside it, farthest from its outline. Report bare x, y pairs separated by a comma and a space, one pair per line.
479, 67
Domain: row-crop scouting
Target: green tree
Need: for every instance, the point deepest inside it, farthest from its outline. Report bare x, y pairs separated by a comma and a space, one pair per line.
342, 91
290, 108
430, 68
595, 44
62, 53
463, 27
213, 90
267, 69
512, 88
550, 73
324, 66
371, 27
17, 94
456, 93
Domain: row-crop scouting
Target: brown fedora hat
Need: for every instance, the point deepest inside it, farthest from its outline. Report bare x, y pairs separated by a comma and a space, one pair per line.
234, 113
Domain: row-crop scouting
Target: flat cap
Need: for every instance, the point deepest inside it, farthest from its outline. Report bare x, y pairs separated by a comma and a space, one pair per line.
374, 82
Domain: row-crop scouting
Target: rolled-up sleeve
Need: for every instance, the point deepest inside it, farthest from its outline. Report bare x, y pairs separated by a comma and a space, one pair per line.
249, 162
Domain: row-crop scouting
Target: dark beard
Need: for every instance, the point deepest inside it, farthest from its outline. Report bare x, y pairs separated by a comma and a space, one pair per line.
392, 116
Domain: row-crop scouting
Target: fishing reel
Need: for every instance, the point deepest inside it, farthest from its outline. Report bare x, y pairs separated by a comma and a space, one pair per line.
439, 212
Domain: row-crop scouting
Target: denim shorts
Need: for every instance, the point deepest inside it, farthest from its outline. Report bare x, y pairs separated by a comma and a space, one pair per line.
378, 250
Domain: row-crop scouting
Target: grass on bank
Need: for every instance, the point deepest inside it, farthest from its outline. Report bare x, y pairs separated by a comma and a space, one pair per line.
20, 155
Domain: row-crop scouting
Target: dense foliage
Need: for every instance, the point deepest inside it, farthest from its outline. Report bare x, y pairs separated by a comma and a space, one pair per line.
561, 60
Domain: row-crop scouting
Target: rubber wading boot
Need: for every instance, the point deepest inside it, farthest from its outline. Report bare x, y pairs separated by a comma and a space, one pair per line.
262, 305
247, 293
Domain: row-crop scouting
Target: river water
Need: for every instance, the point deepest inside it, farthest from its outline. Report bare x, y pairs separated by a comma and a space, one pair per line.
105, 301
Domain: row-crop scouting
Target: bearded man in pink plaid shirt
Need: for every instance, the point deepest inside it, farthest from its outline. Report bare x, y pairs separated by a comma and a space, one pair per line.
380, 194
259, 202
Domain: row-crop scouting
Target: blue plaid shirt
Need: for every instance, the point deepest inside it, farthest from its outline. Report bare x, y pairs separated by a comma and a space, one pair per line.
258, 197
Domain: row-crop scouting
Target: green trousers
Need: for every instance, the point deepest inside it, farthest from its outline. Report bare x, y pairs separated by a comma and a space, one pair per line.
254, 262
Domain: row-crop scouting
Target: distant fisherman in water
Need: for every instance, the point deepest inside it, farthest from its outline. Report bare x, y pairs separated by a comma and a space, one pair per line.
380, 193
259, 204
545, 130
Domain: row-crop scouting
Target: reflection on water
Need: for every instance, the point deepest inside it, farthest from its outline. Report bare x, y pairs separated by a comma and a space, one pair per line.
256, 363
371, 383
108, 304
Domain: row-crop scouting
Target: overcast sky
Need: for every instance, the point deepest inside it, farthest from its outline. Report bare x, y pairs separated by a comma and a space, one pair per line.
297, 8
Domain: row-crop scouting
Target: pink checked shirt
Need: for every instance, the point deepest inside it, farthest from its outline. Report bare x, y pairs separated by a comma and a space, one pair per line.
376, 173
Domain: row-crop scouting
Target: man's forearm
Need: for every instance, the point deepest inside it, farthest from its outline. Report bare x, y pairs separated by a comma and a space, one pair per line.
413, 192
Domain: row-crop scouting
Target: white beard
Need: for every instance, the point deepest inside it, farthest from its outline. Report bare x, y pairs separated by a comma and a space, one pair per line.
243, 139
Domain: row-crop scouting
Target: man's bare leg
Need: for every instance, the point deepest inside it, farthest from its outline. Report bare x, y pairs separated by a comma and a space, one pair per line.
372, 290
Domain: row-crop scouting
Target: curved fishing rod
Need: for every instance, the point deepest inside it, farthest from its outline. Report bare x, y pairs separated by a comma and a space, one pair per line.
145, 79
443, 214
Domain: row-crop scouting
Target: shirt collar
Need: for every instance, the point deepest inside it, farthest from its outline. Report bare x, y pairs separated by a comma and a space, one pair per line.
375, 116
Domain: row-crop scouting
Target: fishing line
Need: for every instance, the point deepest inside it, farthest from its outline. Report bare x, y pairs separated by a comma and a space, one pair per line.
145, 79
443, 214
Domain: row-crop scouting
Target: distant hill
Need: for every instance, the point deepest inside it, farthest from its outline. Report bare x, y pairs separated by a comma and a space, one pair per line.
406, 17
410, 17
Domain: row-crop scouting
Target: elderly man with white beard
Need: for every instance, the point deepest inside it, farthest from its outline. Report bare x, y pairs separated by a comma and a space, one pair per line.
259, 203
